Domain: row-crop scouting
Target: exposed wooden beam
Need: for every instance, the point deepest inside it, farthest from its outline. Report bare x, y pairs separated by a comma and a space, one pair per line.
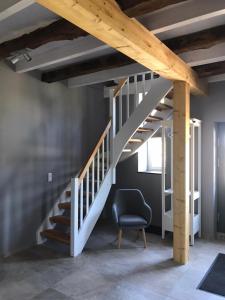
108, 23
199, 57
64, 30
95, 65
11, 7
207, 38
159, 22
181, 124
136, 8
186, 14
106, 75
211, 69
198, 40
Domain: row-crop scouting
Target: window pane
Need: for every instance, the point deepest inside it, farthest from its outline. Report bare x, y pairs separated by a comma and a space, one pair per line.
155, 153
142, 158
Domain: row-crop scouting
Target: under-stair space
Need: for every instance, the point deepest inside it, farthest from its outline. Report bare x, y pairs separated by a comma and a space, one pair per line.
138, 105
195, 178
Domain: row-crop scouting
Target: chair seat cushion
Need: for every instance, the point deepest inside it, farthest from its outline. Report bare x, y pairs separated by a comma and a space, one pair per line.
132, 221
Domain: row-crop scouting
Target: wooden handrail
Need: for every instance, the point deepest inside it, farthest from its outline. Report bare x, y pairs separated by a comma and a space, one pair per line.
120, 86
91, 157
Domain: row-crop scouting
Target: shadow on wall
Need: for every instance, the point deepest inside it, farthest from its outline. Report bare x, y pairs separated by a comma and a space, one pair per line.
43, 128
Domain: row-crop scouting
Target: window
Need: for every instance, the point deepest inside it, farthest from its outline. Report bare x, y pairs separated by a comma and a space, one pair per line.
150, 156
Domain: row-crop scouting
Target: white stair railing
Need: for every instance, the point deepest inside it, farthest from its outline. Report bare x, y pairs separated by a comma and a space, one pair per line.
126, 96
85, 188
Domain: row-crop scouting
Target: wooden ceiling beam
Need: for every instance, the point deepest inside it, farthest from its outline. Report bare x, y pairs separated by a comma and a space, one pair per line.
106, 21
199, 40
210, 69
64, 30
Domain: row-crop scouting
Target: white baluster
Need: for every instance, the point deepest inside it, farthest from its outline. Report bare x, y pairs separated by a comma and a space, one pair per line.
136, 91
107, 145
112, 132
81, 204
143, 84
98, 171
74, 215
121, 108
103, 160
93, 180
87, 192
128, 99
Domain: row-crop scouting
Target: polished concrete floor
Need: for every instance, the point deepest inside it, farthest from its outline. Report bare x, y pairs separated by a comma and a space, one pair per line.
104, 272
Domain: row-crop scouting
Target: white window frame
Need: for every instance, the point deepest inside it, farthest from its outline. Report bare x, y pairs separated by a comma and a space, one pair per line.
145, 164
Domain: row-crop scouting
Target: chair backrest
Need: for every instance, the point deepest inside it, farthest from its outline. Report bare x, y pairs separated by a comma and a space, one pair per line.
129, 201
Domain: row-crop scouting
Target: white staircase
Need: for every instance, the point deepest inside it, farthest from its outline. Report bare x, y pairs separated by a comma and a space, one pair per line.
138, 104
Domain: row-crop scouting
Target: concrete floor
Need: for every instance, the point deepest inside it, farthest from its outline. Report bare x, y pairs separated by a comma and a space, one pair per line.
103, 272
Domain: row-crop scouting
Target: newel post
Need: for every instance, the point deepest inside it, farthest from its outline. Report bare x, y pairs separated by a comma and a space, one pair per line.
112, 111
74, 216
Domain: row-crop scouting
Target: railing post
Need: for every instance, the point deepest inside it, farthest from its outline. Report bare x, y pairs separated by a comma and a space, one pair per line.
112, 106
74, 215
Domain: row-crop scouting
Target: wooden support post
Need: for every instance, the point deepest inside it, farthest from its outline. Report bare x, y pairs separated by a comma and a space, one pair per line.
181, 124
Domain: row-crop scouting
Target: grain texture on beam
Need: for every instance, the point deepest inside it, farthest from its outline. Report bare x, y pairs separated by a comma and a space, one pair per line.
106, 21
181, 124
64, 30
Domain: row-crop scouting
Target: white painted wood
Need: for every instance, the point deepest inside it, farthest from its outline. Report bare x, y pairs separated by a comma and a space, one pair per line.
205, 56
195, 218
133, 87
161, 23
87, 191
187, 13
81, 203
128, 99
9, 8
216, 78
98, 171
107, 149
163, 186
73, 49
120, 108
94, 214
74, 215
106, 75
93, 181
199, 178
192, 180
112, 111
103, 160
160, 87
136, 91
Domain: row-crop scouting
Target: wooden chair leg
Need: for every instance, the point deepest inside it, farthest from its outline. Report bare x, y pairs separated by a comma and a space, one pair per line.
119, 238
144, 238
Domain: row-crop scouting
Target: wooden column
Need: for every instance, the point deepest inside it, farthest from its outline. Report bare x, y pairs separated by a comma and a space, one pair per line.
181, 124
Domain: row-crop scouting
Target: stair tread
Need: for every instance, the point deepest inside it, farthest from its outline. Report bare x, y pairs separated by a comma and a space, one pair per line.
142, 129
127, 150
59, 219
163, 106
56, 235
64, 205
153, 118
135, 140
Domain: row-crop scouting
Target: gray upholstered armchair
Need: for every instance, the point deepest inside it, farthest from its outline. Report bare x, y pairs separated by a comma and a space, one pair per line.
131, 211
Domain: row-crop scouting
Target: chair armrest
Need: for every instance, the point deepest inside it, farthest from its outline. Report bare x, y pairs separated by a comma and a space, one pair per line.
147, 213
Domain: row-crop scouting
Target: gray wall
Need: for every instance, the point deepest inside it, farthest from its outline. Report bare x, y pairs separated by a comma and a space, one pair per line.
210, 109
43, 128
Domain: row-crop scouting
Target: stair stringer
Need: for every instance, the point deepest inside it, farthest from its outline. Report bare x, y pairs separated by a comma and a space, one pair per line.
94, 213
159, 89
